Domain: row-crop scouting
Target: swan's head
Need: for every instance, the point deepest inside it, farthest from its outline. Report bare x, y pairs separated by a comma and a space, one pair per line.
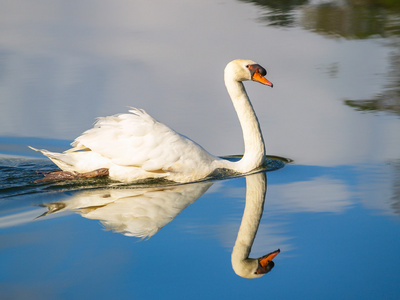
254, 268
244, 69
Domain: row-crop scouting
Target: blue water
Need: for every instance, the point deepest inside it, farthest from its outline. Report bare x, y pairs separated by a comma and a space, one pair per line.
334, 109
347, 249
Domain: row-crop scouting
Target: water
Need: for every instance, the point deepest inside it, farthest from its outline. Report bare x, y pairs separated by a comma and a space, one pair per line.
334, 110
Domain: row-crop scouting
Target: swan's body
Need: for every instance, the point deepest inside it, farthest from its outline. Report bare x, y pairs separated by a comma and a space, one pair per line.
135, 146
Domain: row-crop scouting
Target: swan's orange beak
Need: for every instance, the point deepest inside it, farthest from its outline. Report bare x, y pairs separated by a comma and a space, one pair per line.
265, 263
258, 73
261, 79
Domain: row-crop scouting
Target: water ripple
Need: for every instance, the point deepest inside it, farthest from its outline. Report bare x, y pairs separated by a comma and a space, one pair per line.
17, 176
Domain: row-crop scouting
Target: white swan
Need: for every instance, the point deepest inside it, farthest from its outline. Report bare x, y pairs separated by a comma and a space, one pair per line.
135, 146
241, 263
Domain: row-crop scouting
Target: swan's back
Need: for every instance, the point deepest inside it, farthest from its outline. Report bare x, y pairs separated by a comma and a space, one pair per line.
136, 140
130, 140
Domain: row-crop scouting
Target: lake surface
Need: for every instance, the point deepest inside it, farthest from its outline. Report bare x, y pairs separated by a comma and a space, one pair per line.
334, 110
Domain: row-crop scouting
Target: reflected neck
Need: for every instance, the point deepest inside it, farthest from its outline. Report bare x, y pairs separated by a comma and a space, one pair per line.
255, 197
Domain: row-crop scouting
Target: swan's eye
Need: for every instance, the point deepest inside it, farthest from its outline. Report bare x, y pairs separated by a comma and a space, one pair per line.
247, 66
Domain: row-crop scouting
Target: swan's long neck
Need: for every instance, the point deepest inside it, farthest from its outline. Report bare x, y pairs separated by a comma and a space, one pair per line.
255, 197
254, 149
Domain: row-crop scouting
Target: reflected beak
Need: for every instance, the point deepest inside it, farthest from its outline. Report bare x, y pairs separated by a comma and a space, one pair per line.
265, 263
261, 79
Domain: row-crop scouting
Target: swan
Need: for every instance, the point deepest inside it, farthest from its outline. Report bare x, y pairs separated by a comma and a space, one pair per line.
241, 263
134, 146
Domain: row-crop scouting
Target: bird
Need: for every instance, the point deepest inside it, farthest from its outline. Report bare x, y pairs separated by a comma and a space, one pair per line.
134, 146
242, 264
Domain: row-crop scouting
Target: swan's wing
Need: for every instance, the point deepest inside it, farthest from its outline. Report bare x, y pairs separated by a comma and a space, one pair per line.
135, 140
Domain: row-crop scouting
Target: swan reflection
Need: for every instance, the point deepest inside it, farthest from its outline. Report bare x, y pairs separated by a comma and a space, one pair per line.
142, 212
241, 263
139, 212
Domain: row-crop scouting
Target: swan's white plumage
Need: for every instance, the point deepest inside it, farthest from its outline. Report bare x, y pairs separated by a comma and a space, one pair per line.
135, 146
156, 146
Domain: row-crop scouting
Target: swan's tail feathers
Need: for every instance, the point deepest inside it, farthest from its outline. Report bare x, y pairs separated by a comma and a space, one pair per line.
76, 146
59, 159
